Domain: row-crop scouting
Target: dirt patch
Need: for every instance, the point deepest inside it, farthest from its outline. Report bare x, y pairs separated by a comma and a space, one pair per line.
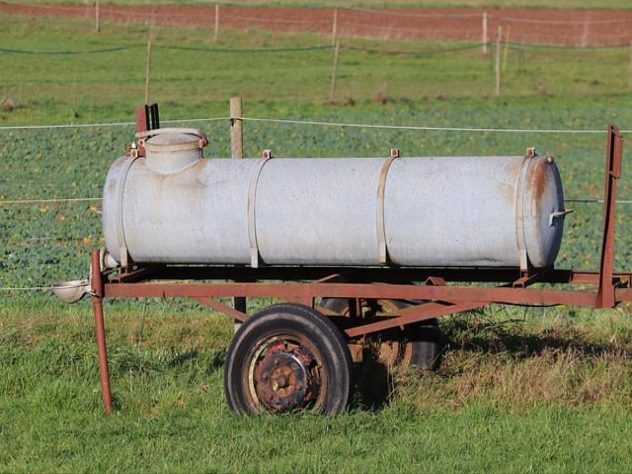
578, 28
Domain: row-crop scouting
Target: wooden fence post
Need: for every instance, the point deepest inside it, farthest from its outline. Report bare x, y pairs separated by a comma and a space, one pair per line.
484, 39
216, 33
584, 39
500, 34
505, 52
97, 20
630, 70
334, 27
148, 71
334, 72
236, 128
237, 152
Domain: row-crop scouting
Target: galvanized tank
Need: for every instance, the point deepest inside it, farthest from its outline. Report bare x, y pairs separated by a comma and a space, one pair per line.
174, 206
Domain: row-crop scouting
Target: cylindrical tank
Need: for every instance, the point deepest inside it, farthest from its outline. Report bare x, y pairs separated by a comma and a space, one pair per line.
176, 207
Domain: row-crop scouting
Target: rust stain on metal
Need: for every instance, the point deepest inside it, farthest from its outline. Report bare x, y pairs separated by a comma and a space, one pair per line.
538, 179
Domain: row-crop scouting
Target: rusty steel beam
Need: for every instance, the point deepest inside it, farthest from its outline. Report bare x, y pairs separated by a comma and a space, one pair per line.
306, 291
222, 308
623, 294
413, 314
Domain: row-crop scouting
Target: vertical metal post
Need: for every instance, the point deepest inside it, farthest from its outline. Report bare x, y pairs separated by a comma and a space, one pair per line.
142, 124
498, 38
99, 323
97, 22
142, 118
237, 152
154, 116
614, 158
216, 33
484, 39
334, 27
334, 72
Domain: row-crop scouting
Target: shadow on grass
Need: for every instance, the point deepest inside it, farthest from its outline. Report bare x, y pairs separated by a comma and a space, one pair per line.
511, 337
374, 384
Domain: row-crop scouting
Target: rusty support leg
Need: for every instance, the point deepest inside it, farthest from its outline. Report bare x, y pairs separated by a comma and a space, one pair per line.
97, 308
614, 153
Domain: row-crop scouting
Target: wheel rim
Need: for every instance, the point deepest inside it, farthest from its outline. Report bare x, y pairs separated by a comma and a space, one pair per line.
284, 375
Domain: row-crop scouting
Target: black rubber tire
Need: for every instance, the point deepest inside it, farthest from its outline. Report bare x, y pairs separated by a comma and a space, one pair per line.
424, 340
297, 322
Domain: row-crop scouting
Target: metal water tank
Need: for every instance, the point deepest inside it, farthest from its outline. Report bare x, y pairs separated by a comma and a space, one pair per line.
176, 207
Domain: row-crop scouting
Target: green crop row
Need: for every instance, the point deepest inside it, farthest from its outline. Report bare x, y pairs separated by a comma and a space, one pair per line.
44, 242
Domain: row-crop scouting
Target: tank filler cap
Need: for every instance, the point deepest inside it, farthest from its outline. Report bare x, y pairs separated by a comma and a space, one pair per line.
169, 150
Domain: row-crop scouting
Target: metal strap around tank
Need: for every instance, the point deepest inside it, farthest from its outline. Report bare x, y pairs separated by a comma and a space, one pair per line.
381, 230
519, 200
120, 231
252, 195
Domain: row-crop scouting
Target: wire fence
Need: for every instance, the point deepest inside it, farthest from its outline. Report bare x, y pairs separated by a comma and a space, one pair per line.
61, 242
263, 50
287, 121
511, 82
321, 123
553, 27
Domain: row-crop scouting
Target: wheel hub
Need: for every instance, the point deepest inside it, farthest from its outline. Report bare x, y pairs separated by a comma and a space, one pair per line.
286, 378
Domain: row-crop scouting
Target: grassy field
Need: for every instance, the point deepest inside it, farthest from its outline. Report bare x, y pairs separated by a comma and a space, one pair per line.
97, 77
519, 390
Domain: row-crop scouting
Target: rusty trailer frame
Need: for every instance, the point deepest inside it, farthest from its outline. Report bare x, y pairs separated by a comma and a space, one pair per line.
430, 292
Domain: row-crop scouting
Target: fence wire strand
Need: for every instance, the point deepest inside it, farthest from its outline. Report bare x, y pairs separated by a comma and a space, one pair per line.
427, 128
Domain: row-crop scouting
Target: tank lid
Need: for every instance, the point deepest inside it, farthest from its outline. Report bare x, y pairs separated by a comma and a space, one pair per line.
170, 150
173, 139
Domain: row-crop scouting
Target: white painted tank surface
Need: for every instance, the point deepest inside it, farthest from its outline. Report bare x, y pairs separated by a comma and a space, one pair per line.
174, 206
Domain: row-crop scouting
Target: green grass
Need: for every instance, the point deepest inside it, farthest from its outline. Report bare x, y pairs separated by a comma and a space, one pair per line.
192, 76
519, 389
475, 414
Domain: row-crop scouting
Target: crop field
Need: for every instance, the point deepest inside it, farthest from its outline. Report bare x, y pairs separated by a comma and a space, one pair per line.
519, 389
